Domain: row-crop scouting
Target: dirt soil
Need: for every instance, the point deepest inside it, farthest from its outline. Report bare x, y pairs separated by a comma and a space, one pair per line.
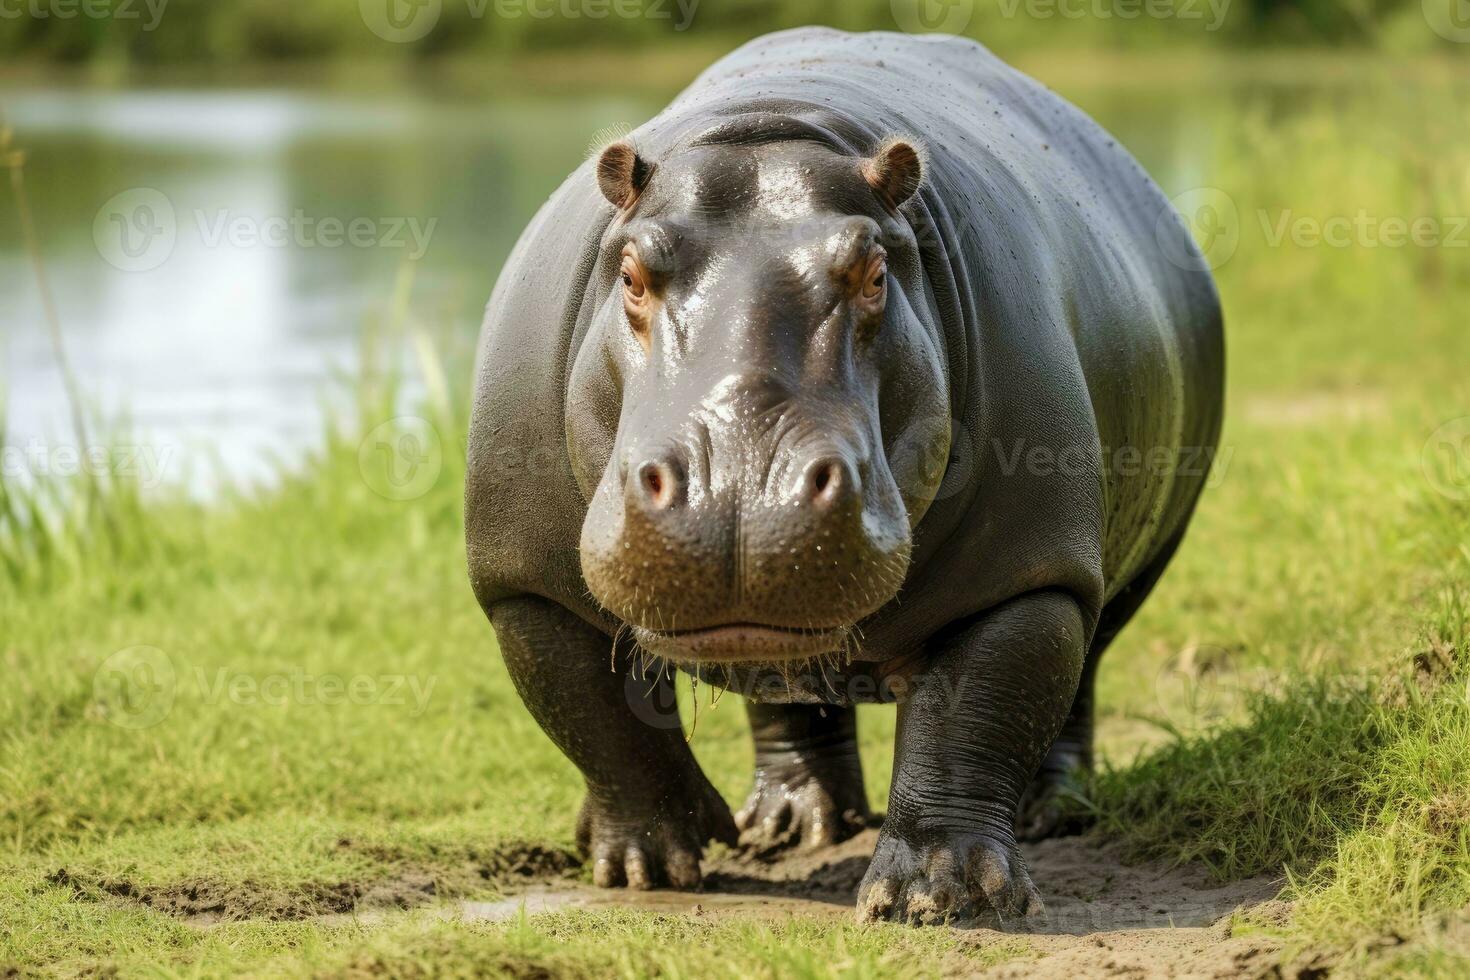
208, 901
1104, 918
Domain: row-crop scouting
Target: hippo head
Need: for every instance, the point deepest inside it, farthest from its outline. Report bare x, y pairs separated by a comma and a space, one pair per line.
757, 407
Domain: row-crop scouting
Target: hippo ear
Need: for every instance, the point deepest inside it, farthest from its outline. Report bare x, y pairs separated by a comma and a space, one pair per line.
622, 174
894, 172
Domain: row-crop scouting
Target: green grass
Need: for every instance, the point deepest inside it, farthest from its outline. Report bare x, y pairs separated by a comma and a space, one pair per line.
1293, 700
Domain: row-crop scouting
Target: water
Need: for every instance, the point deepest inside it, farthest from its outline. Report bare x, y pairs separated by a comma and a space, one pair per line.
291, 217
216, 255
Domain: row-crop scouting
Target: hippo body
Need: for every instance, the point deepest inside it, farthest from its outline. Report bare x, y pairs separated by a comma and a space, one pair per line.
902, 303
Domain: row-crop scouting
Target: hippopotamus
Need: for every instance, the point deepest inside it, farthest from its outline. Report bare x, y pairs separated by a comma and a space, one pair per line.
869, 370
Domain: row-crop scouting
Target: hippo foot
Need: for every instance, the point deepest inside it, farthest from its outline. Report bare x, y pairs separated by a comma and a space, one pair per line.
1050, 806
649, 845
801, 807
957, 878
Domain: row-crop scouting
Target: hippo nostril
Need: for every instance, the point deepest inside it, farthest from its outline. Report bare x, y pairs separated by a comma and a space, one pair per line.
658, 483
828, 480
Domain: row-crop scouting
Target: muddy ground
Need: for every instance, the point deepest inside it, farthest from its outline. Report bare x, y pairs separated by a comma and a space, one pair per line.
1104, 918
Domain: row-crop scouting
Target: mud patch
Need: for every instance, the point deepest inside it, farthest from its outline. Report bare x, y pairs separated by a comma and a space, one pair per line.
520, 861
508, 864
1087, 886
207, 901
829, 876
1104, 918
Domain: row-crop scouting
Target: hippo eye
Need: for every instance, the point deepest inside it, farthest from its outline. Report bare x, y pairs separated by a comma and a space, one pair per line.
632, 276
636, 300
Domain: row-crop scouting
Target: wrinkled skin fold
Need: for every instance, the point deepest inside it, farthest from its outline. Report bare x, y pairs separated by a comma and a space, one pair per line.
867, 371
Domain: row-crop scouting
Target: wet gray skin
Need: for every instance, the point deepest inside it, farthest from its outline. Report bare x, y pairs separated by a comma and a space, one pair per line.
869, 370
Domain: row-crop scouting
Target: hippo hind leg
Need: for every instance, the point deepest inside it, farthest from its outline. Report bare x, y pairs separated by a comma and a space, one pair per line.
808, 778
1045, 810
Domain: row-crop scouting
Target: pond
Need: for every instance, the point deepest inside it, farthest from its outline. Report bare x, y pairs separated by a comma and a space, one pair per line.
216, 255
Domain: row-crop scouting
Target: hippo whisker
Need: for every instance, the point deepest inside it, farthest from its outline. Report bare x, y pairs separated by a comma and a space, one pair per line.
694, 699
656, 677
612, 662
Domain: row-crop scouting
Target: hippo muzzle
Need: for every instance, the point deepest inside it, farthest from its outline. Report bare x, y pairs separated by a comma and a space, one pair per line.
763, 530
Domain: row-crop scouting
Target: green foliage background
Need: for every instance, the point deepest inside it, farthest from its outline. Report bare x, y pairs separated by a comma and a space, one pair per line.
230, 31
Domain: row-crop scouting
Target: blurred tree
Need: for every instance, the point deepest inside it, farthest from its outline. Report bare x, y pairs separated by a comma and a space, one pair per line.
211, 32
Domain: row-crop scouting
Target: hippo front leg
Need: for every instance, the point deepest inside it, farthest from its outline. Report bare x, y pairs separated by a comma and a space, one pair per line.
649, 808
971, 734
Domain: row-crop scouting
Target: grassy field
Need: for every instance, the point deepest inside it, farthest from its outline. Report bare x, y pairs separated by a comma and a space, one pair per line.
222, 727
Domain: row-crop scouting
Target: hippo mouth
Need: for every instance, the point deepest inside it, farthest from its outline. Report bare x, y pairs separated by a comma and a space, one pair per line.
742, 642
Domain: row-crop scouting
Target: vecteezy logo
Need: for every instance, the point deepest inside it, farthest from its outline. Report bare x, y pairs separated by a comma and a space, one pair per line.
401, 459
936, 453
136, 230
652, 696
932, 16
1200, 231
1190, 686
1446, 459
1450, 19
400, 21
134, 688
